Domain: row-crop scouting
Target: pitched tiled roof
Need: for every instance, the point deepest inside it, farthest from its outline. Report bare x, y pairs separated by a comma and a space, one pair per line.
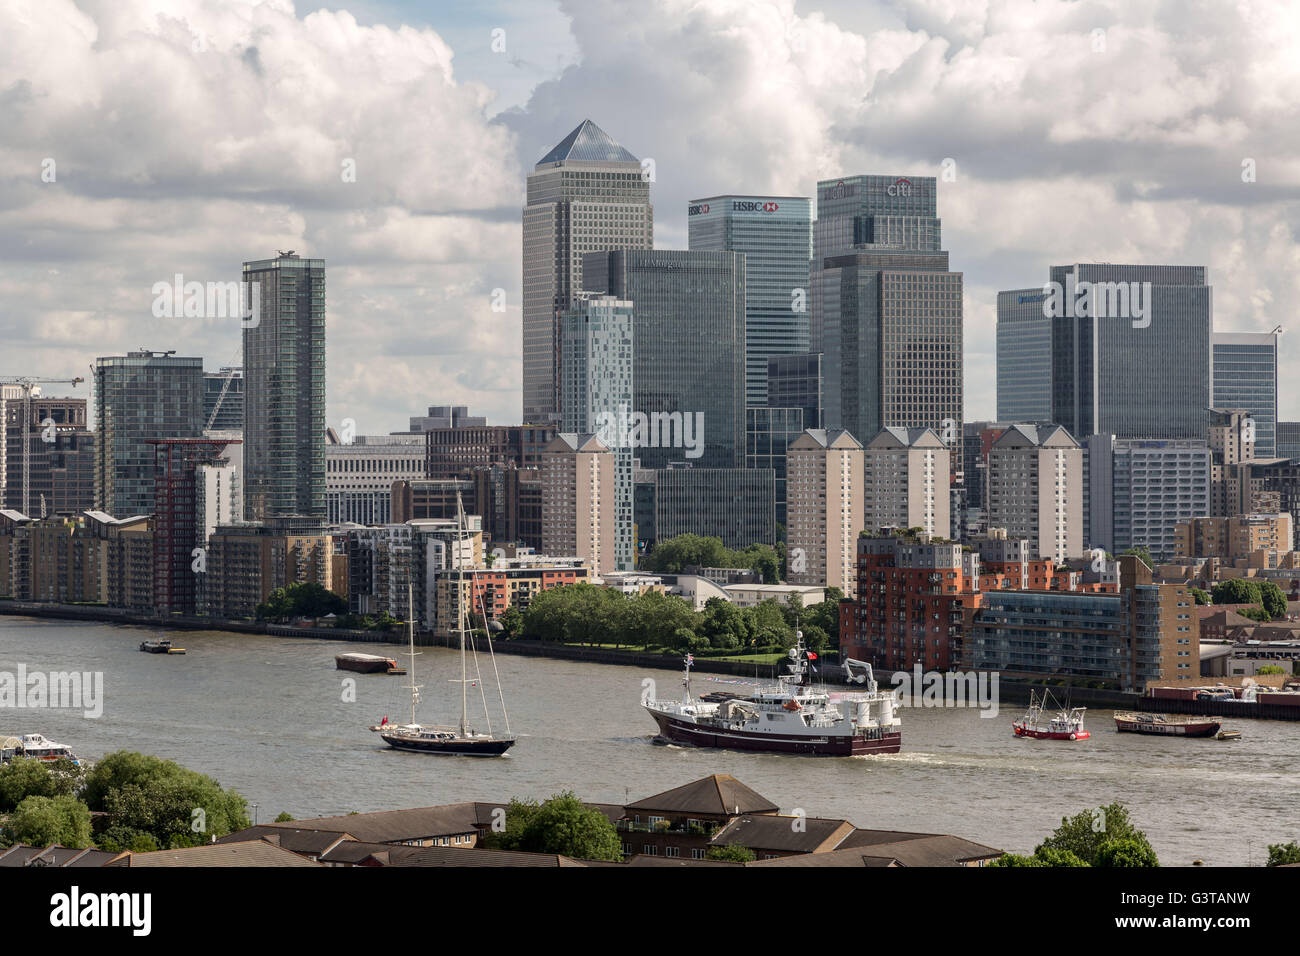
249, 853
789, 834
395, 826
718, 795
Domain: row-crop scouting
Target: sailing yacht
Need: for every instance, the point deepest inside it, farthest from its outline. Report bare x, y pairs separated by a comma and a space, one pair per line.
462, 740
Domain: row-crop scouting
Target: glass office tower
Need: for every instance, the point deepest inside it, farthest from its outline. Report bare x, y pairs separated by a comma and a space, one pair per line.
586, 195
1245, 376
775, 235
688, 349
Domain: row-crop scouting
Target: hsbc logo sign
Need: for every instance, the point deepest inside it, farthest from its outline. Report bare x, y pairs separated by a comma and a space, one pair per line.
737, 206
698, 209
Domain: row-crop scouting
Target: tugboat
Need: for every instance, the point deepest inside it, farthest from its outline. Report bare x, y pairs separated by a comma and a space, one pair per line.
1167, 725
463, 740
1066, 724
160, 646
791, 717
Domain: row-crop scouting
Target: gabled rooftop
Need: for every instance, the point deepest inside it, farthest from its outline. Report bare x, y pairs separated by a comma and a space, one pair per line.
718, 795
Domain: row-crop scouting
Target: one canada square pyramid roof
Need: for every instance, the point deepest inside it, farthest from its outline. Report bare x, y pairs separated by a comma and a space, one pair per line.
588, 142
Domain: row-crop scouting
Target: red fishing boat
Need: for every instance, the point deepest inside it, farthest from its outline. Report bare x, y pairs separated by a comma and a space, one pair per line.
1061, 723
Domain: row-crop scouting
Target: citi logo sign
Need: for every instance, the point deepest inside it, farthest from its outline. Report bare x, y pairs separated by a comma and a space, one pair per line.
754, 206
698, 209
900, 187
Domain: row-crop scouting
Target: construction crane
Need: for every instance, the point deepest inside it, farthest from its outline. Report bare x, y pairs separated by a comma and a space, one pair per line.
30, 384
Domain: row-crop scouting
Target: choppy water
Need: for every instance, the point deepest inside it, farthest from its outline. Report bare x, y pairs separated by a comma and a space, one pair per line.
266, 716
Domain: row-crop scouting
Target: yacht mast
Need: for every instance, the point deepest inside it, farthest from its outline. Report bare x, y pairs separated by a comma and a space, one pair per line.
410, 631
460, 618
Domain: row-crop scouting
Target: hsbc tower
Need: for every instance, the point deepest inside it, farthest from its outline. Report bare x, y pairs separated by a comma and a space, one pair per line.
775, 235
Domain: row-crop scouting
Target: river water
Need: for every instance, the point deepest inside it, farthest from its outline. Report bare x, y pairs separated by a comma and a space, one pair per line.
267, 716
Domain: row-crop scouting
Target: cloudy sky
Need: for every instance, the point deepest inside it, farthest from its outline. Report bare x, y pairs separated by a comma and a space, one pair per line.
189, 135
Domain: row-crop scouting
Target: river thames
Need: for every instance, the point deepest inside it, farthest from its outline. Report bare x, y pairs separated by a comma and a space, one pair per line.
268, 717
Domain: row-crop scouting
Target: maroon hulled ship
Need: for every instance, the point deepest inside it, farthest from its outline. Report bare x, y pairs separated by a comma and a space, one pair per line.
789, 717
1167, 725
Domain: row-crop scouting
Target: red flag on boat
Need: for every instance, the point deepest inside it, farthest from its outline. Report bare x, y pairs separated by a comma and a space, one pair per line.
812, 656
384, 721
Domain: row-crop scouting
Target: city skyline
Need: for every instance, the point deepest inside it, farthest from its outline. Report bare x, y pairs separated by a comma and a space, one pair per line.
427, 235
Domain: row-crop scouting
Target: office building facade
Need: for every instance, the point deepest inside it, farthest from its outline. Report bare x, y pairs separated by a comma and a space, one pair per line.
775, 235
737, 505
768, 433
588, 194
688, 350
359, 476
795, 381
1127, 358
1245, 376
1138, 491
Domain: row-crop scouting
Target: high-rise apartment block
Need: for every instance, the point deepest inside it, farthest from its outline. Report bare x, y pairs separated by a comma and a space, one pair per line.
588, 194
578, 500
284, 388
1035, 489
825, 508
775, 235
139, 397
906, 474
596, 395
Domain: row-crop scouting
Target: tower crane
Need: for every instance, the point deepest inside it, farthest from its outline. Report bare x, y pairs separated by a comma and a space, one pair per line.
30, 384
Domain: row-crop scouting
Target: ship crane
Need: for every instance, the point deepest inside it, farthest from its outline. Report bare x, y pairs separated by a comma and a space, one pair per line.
30, 384
865, 676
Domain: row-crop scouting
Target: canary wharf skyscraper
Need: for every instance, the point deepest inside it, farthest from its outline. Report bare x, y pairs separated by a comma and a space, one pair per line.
891, 310
284, 388
588, 194
775, 234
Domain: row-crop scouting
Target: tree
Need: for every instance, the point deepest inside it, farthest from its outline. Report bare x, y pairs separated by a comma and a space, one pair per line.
1270, 669
301, 599
1084, 833
1127, 852
284, 817
43, 821
175, 806
1279, 853
733, 853
25, 777
1255, 614
1201, 596
1237, 591
1142, 552
1273, 600
1043, 856
562, 824
512, 622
